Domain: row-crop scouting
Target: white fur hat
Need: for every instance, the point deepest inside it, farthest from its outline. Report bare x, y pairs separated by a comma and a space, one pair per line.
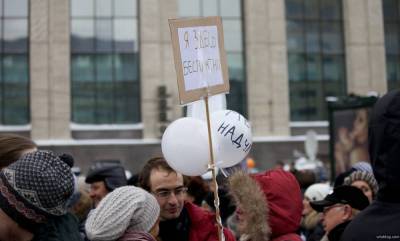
125, 208
317, 192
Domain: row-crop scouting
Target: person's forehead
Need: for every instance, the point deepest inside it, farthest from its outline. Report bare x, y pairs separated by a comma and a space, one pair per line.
160, 179
360, 183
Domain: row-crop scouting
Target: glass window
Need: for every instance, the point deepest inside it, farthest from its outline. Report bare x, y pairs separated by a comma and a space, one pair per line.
311, 9
104, 68
333, 68
104, 62
312, 37
104, 36
82, 35
15, 8
331, 9
190, 8
82, 68
297, 67
125, 35
390, 10
294, 8
392, 38
126, 67
209, 8
103, 8
232, 42
232, 20
230, 8
15, 36
82, 8
391, 13
125, 8
14, 66
314, 69
332, 41
315, 56
296, 42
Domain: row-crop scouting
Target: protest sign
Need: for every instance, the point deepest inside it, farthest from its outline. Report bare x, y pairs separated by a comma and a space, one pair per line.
199, 57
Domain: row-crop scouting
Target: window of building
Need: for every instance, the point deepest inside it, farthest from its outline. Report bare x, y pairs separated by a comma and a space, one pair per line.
14, 62
105, 62
391, 13
231, 14
316, 56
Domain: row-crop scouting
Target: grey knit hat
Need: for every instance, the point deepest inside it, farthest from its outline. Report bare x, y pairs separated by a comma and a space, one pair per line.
35, 187
365, 176
126, 208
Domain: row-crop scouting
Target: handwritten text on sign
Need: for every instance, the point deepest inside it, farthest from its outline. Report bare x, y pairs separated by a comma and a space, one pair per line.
200, 57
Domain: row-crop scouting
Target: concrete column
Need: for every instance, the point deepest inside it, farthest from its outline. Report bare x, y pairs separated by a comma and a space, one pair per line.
157, 64
266, 62
49, 69
365, 46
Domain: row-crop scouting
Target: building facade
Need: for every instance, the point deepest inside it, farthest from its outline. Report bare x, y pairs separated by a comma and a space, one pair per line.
96, 78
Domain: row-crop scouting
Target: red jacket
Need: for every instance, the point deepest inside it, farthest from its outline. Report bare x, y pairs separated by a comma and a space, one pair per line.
203, 225
272, 202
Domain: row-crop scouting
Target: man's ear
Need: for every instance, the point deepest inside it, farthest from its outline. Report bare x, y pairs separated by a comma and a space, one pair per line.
347, 212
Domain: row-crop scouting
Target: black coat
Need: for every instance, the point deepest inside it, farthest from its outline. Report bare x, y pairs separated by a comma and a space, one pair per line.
63, 228
377, 220
381, 220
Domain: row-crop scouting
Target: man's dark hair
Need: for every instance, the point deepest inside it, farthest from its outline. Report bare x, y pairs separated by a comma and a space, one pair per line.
158, 163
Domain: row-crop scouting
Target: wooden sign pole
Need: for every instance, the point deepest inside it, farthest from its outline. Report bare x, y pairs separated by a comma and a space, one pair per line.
214, 176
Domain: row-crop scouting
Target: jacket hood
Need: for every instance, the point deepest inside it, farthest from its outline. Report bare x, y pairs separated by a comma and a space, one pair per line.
384, 141
271, 200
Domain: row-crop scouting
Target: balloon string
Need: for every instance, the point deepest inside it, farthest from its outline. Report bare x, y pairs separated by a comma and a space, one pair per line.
212, 164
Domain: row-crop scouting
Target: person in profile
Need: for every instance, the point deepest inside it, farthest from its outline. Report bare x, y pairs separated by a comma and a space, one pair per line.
339, 208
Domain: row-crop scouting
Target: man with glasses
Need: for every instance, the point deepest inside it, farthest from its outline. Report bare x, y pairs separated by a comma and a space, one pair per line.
339, 208
180, 220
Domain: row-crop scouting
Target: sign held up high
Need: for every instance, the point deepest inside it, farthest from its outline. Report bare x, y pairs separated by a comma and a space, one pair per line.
199, 55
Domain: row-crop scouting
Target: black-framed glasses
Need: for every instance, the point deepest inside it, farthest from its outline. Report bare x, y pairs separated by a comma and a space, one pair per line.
166, 193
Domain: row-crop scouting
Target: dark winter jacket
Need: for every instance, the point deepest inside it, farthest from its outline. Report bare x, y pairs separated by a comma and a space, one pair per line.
381, 220
272, 204
63, 228
336, 233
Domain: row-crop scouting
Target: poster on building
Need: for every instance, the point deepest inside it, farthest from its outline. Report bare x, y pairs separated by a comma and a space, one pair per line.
199, 56
349, 132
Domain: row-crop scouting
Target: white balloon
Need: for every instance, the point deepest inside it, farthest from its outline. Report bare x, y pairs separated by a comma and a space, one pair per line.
197, 109
232, 133
185, 146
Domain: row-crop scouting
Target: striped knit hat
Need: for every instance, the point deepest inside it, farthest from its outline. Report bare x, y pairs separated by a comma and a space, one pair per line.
126, 208
36, 187
365, 176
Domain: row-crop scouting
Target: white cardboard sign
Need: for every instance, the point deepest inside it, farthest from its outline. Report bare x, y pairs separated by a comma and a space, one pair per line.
199, 55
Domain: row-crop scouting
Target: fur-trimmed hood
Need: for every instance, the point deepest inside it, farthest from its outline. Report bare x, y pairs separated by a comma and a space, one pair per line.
272, 203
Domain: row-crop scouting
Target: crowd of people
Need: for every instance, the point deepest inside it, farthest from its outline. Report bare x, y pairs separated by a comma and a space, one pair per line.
42, 198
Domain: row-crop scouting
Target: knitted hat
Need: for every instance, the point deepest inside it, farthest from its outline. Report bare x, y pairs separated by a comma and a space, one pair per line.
363, 166
35, 187
317, 192
126, 208
367, 177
